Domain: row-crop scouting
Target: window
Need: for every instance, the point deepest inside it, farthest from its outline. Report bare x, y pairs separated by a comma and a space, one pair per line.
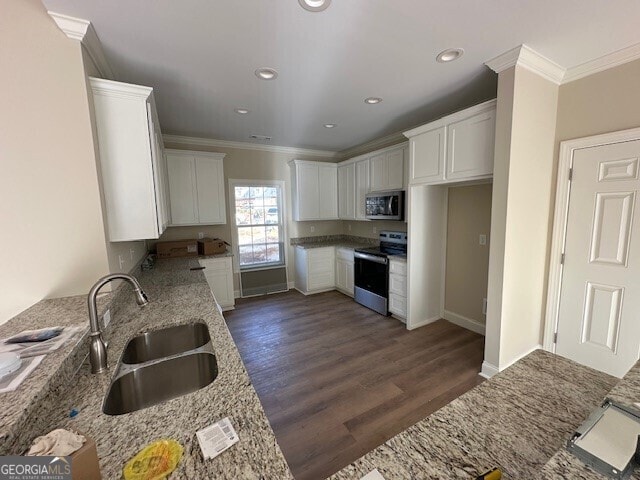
259, 224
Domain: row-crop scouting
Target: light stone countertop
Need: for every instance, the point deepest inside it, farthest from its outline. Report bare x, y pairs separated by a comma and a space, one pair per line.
339, 241
177, 295
516, 421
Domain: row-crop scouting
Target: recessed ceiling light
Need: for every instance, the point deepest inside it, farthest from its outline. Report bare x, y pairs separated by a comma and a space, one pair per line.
266, 73
372, 100
329, 125
314, 5
449, 55
241, 111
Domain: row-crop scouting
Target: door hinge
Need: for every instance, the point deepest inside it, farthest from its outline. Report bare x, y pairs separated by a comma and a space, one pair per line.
562, 259
555, 337
571, 174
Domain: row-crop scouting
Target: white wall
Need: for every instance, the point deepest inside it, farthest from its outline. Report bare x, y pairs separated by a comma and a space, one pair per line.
525, 153
52, 242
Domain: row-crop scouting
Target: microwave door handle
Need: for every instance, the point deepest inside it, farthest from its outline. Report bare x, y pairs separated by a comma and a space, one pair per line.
390, 205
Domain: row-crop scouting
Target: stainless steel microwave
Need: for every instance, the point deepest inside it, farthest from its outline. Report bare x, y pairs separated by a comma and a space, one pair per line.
385, 205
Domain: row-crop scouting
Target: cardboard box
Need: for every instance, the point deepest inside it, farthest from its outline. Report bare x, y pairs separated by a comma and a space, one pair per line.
211, 246
84, 462
178, 248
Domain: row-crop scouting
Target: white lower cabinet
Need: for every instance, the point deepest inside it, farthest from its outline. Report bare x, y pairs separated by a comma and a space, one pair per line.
344, 270
219, 275
315, 269
398, 288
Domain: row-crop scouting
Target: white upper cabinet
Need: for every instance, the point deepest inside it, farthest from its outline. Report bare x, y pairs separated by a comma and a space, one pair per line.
196, 187
387, 169
362, 187
347, 191
314, 190
455, 148
132, 166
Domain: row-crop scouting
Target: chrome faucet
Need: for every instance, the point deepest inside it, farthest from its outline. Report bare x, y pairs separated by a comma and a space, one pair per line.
97, 348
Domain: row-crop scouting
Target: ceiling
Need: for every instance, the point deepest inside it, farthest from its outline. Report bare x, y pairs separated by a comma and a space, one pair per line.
200, 57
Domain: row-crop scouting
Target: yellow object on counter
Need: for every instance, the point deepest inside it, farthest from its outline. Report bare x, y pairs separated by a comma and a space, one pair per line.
155, 461
493, 474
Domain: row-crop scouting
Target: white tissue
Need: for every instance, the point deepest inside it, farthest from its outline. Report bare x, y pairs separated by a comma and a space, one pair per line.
59, 443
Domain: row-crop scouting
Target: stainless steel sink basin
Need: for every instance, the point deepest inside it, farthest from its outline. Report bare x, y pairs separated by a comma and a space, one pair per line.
165, 343
160, 381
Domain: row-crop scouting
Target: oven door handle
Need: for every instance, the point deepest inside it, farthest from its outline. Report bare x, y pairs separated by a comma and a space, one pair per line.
371, 258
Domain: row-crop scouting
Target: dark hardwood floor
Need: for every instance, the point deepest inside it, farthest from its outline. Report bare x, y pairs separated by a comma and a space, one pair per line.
336, 379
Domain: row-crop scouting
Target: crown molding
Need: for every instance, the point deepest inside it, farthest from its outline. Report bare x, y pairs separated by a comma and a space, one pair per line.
214, 155
388, 140
605, 62
210, 142
82, 30
526, 57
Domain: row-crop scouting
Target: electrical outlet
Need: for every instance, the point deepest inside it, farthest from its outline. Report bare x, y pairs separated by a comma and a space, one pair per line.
106, 318
200, 235
483, 239
312, 229
121, 261
484, 306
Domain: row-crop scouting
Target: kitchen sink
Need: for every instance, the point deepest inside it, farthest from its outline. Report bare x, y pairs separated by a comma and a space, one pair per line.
158, 382
165, 343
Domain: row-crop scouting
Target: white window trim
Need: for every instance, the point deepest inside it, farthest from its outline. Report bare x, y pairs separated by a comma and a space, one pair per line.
234, 182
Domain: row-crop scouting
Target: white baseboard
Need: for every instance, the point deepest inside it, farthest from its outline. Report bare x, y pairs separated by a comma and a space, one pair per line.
464, 322
236, 294
422, 323
488, 370
291, 285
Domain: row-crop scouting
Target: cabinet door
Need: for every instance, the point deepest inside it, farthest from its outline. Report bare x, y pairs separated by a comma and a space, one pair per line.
470, 145
350, 278
308, 192
362, 188
327, 197
210, 190
398, 305
321, 268
377, 173
395, 169
398, 284
341, 274
426, 157
219, 284
347, 191
157, 160
182, 188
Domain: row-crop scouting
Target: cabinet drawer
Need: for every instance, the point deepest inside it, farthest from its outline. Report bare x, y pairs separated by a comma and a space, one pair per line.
398, 305
398, 284
399, 268
216, 263
344, 254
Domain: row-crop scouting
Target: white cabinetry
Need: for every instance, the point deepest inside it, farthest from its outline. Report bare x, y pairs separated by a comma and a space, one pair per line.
344, 270
455, 148
398, 288
219, 275
133, 171
387, 169
347, 191
196, 187
362, 188
314, 190
315, 269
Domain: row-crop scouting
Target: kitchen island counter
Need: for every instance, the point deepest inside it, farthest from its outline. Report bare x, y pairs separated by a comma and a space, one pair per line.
177, 295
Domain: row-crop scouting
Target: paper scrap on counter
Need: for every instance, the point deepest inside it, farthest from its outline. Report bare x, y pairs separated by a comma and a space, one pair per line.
217, 438
373, 475
13, 380
29, 349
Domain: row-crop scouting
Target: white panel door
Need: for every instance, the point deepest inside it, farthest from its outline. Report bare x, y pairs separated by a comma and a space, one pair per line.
378, 174
362, 188
470, 145
426, 158
599, 314
347, 192
327, 199
395, 170
210, 190
182, 185
308, 193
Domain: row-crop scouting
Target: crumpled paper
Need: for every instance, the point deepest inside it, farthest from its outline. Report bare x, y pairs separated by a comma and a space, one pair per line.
58, 443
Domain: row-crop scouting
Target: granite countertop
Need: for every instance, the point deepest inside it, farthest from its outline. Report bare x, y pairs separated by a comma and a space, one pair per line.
516, 421
177, 295
340, 241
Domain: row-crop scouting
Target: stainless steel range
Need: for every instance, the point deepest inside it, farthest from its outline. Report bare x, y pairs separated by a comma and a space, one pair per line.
371, 273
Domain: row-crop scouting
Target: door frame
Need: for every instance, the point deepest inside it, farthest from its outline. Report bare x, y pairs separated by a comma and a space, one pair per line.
563, 190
